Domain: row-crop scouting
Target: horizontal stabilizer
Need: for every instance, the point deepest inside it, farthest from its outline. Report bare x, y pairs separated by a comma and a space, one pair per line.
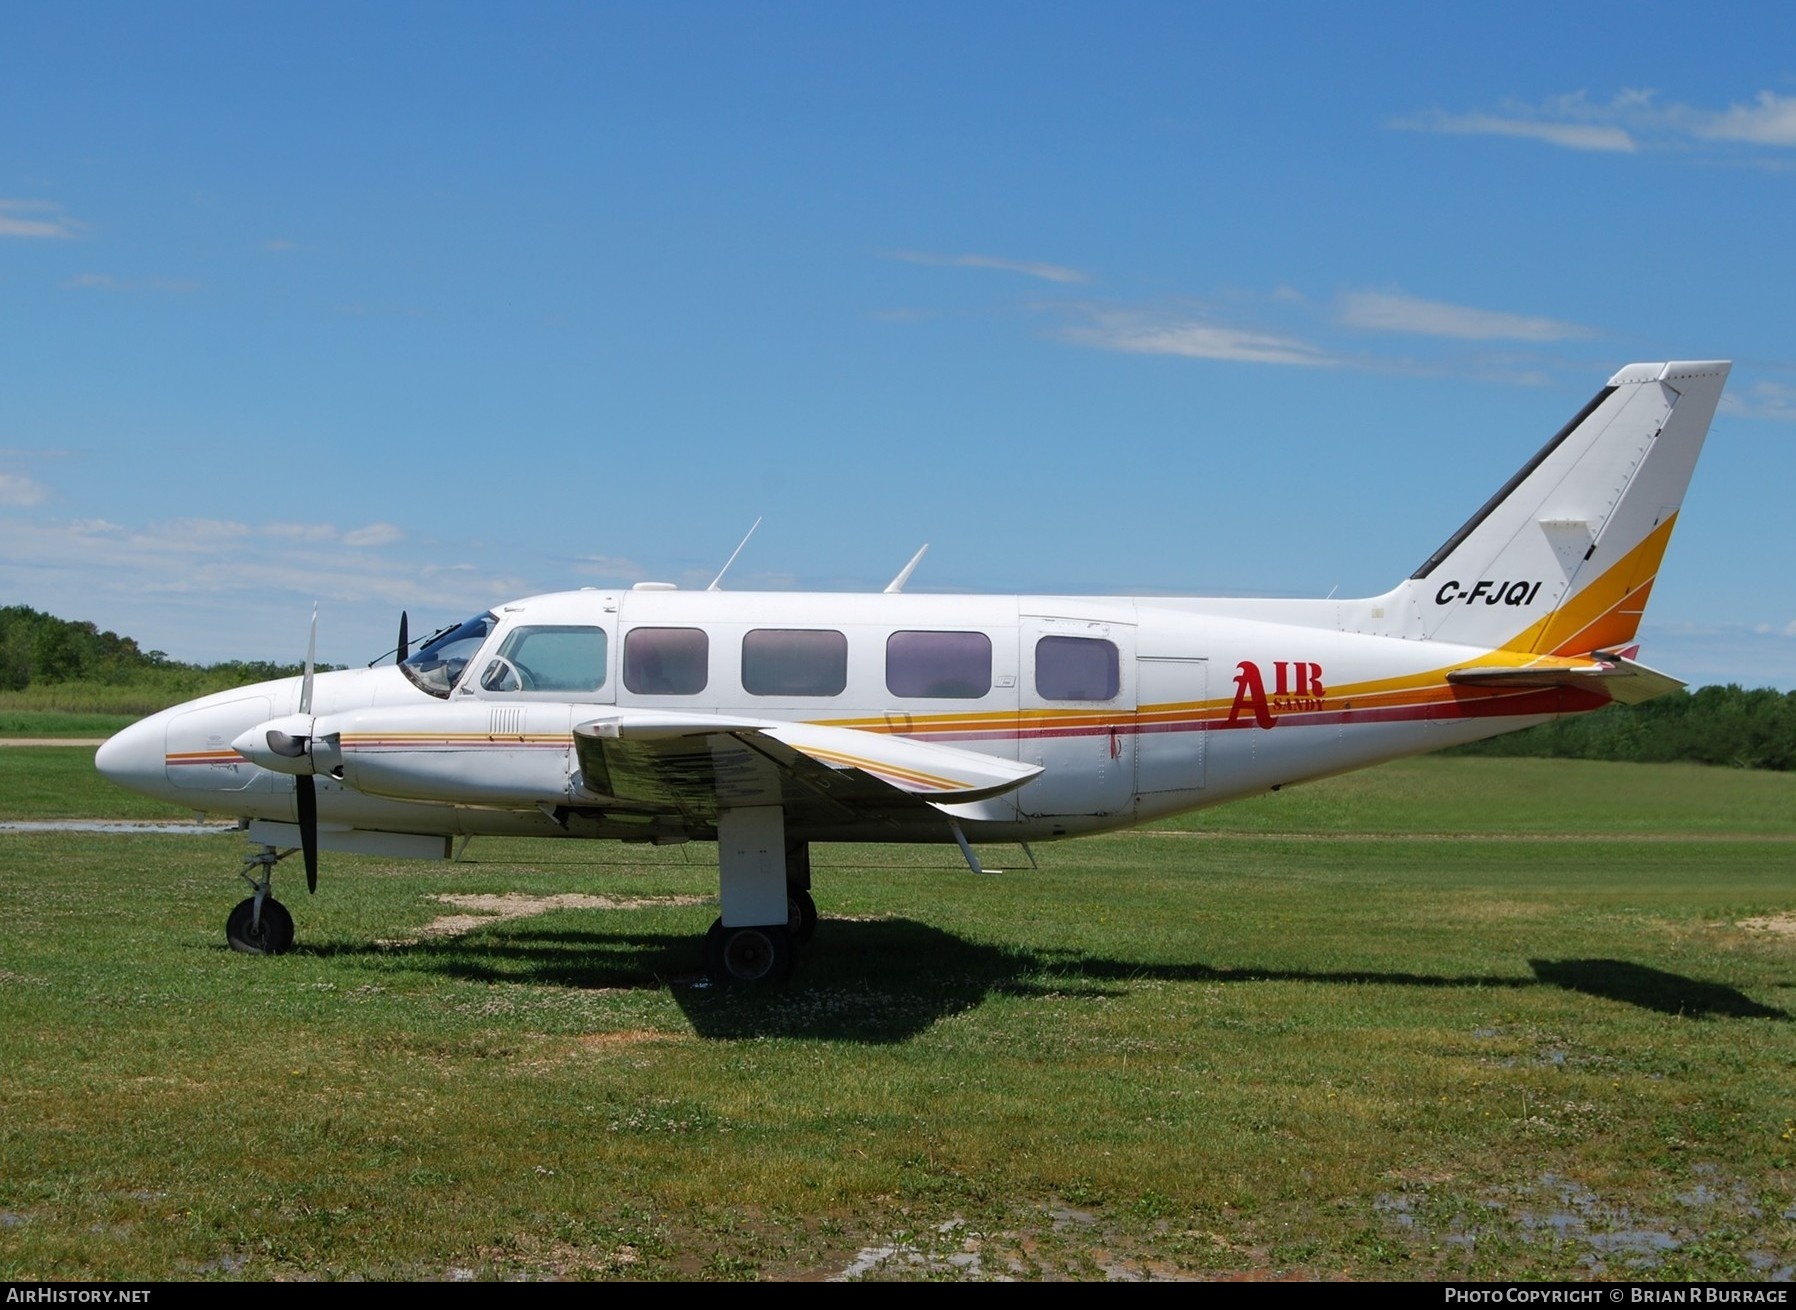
1615, 675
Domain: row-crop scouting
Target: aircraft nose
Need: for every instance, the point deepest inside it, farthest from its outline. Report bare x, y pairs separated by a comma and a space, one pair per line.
134, 758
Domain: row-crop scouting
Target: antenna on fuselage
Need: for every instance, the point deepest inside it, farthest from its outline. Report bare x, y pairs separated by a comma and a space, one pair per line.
716, 582
896, 585
403, 650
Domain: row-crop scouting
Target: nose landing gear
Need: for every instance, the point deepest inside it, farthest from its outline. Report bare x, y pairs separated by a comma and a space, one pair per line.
260, 925
268, 931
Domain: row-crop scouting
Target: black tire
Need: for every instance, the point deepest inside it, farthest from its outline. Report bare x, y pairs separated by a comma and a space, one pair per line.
752, 954
274, 936
801, 914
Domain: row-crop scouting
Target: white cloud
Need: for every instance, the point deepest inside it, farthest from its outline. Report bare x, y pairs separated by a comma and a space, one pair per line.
1752, 654
198, 533
375, 534
903, 315
106, 282
612, 568
1631, 121
34, 218
1768, 400
218, 566
1393, 311
18, 490
1028, 268
1771, 121
1571, 136
1144, 333
300, 531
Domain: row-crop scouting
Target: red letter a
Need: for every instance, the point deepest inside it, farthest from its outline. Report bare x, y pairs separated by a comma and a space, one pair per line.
1249, 686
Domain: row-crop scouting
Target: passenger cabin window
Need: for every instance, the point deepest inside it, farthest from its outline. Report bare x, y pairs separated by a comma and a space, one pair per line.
1077, 668
794, 662
666, 661
548, 658
939, 665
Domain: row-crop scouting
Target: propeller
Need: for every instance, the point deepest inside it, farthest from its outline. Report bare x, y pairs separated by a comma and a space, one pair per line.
305, 789
291, 745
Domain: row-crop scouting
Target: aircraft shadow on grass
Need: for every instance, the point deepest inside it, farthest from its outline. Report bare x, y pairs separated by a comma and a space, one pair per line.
889, 979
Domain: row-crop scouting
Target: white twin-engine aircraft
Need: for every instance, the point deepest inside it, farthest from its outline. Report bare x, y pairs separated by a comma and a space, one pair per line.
765, 722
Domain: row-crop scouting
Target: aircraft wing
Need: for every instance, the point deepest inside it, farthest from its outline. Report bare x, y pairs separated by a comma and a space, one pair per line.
1612, 673
694, 765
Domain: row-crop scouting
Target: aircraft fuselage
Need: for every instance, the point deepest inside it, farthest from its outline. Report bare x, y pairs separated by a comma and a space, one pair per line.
1132, 709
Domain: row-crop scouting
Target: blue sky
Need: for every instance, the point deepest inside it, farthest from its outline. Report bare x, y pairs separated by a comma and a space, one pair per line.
432, 306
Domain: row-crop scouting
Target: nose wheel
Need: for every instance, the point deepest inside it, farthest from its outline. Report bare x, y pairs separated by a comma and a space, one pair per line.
260, 925
268, 931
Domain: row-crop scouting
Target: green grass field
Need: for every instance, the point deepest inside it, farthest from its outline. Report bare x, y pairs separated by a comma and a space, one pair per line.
1468, 1018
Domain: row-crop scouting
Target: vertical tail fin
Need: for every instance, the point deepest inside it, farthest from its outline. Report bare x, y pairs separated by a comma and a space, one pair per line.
1562, 559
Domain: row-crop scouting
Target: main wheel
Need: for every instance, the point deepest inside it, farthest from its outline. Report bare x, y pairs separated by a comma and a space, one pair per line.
749, 954
273, 936
801, 914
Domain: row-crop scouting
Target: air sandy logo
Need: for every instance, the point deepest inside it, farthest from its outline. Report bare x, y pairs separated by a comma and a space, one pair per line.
1296, 687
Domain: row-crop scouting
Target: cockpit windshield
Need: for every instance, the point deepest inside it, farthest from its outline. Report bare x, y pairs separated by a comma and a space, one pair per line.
437, 665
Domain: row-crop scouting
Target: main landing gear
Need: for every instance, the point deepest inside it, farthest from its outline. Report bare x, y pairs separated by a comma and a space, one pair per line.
758, 953
749, 954
764, 889
260, 925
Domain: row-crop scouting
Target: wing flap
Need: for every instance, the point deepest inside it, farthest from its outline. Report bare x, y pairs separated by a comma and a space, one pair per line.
694, 765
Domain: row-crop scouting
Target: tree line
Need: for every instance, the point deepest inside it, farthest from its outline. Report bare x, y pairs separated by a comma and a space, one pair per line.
38, 650
1713, 725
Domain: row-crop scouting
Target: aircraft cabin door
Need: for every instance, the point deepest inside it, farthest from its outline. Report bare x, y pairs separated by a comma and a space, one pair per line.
1169, 724
1076, 716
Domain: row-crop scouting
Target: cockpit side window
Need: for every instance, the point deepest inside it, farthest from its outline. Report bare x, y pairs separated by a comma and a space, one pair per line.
548, 657
437, 665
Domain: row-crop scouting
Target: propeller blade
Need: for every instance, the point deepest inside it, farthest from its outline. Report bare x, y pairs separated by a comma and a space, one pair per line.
307, 795
405, 645
305, 688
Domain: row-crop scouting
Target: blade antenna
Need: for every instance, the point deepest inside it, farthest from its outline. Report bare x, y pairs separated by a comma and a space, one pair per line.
400, 651
896, 585
716, 582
